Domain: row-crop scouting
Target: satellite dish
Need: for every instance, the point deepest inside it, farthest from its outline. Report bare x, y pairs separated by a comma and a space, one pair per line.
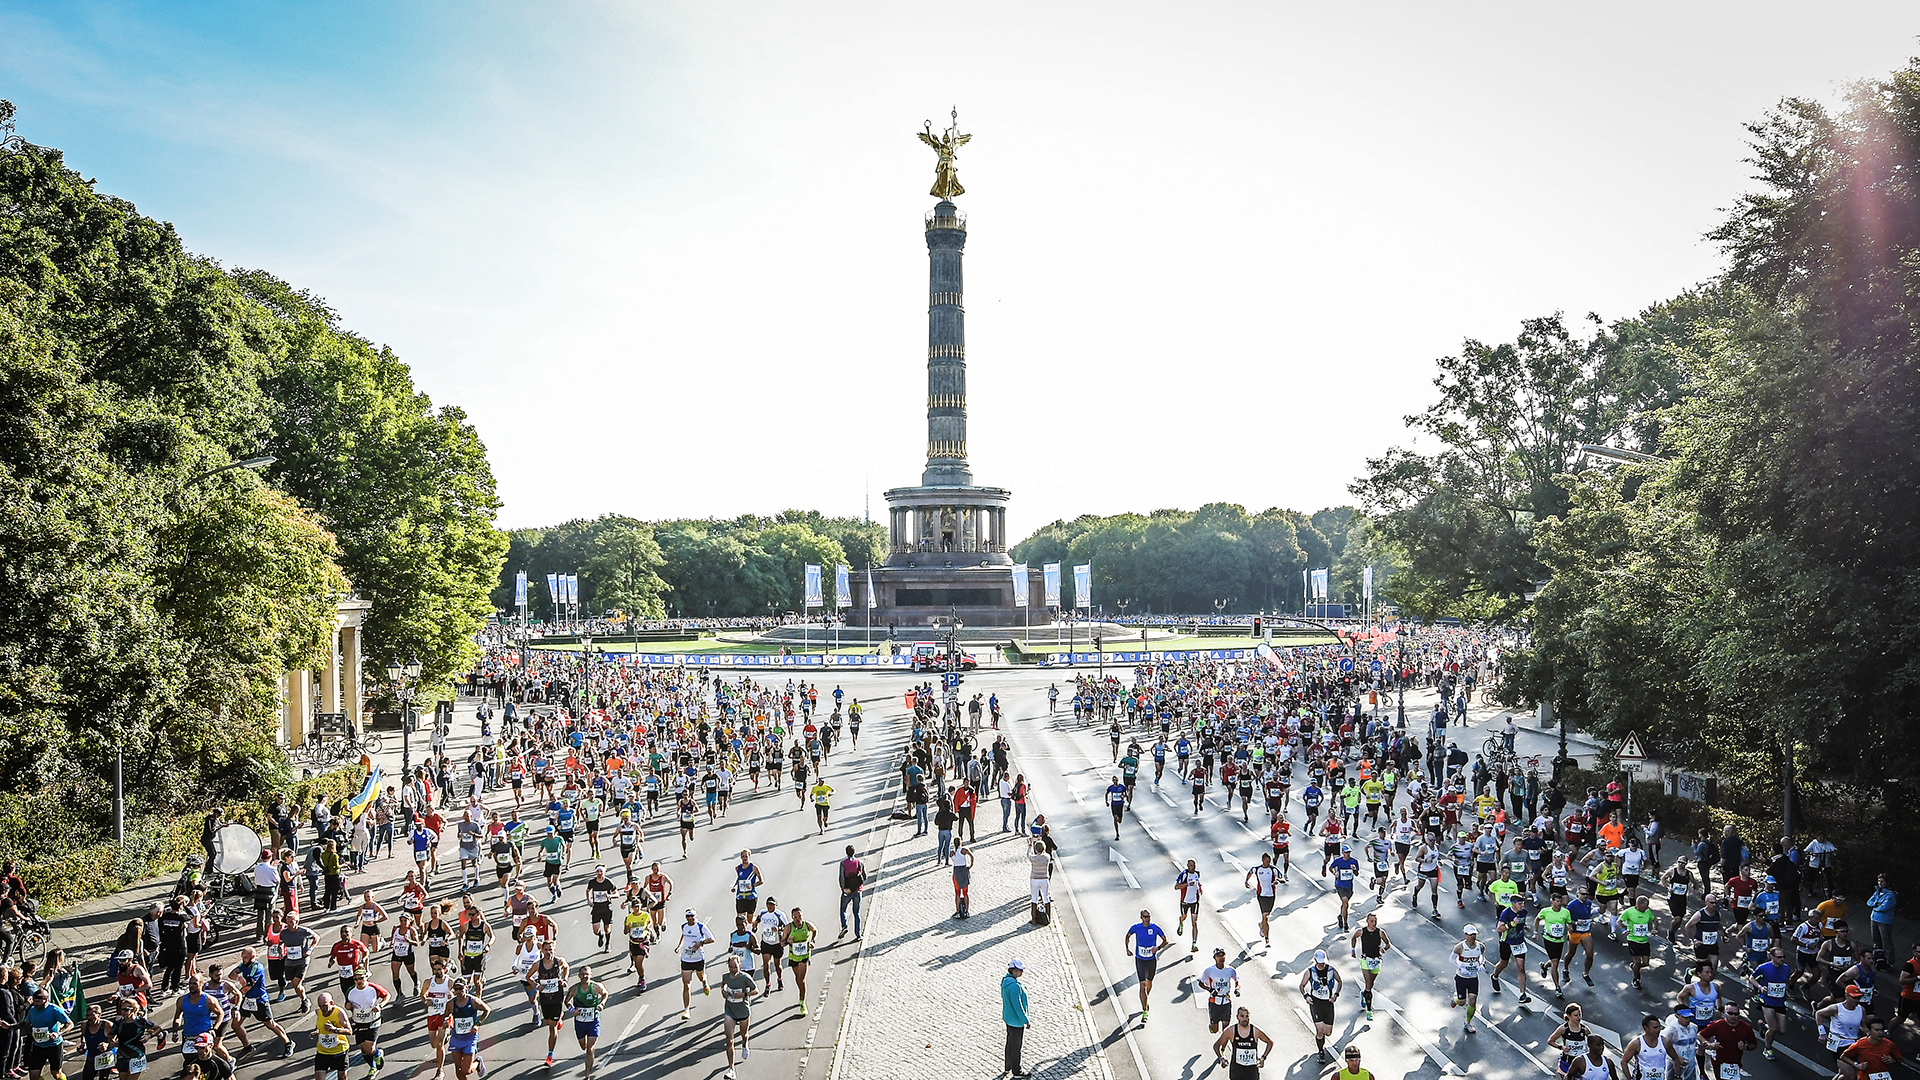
235, 849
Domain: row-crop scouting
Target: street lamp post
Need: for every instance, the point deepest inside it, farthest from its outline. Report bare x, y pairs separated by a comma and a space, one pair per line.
404, 678
586, 675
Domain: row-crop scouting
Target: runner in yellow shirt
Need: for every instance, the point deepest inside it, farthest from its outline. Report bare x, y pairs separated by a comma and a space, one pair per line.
334, 1038
822, 794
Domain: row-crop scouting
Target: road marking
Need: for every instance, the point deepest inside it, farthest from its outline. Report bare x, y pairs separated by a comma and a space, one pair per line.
1231, 859
1165, 798
1490, 1025
1099, 965
628, 1030
1151, 835
1431, 1048
1114, 856
1077, 797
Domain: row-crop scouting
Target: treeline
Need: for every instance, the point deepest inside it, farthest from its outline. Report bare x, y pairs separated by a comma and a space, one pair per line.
685, 568
1182, 562
1750, 598
153, 594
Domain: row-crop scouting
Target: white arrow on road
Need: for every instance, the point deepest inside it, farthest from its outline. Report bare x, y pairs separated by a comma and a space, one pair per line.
1165, 798
1114, 856
1228, 857
1077, 797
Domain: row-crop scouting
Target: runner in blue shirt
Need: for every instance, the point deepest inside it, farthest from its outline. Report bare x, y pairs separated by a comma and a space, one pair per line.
1345, 869
1770, 986
1117, 802
1144, 940
46, 1024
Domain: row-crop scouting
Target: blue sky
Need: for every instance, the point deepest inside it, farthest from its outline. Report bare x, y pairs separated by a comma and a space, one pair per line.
668, 255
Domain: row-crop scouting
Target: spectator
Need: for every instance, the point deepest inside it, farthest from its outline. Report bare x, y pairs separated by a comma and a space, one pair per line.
1733, 854
1881, 905
1820, 861
1013, 1011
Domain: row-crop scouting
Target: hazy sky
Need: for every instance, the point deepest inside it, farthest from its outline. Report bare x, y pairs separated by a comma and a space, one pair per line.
669, 256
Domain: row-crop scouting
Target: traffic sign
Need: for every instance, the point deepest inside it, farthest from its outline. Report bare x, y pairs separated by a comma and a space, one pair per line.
1377, 666
1630, 749
1346, 665
953, 680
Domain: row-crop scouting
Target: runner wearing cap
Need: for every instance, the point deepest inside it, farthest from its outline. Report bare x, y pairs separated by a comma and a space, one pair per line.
736, 992
1222, 984
1320, 984
461, 1016
1468, 956
600, 893
772, 929
1839, 1023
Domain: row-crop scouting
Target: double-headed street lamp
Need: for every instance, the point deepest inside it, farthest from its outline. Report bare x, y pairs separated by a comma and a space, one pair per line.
405, 677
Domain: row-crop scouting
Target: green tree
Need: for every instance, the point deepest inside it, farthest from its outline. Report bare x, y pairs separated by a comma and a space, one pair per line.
625, 570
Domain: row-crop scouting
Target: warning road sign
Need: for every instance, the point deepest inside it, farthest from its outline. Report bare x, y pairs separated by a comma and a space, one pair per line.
1630, 749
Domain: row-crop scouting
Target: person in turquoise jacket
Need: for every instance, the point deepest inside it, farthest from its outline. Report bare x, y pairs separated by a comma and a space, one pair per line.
1013, 1010
1881, 905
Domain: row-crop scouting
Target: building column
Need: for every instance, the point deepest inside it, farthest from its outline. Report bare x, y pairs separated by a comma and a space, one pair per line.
330, 675
350, 684
299, 696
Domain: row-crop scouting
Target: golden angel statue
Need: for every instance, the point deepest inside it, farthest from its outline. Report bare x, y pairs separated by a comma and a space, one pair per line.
946, 177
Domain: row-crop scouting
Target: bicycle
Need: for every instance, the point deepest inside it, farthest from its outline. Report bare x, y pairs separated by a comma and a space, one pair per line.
28, 938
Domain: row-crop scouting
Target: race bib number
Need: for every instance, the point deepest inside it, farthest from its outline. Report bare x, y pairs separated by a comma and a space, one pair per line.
331, 1041
1776, 990
104, 1061
364, 1017
586, 1016
1729, 1071
463, 1025
138, 1065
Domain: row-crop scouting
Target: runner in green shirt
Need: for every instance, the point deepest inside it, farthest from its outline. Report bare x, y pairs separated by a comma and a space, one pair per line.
585, 1002
1555, 923
1641, 924
1503, 888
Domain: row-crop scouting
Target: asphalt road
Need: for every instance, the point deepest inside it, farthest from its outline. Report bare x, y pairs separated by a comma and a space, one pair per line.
1103, 884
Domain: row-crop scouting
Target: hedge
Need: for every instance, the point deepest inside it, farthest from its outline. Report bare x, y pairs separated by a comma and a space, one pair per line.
63, 863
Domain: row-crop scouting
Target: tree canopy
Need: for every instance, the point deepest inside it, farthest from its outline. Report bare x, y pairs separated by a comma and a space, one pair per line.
154, 595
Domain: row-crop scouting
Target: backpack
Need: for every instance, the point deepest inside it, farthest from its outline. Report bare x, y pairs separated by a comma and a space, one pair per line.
855, 878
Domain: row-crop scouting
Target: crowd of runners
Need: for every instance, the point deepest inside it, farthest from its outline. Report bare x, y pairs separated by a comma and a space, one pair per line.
1399, 817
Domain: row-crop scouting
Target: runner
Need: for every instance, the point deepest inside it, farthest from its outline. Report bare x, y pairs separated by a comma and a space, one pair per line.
746, 887
1345, 869
1770, 982
1511, 929
1873, 1056
331, 1032
363, 1011
1646, 1056
1555, 925
639, 928
1143, 940
1320, 984
1186, 886
1641, 924
800, 938
250, 980
772, 929
1468, 956
1262, 880
1728, 1038
1369, 944
546, 982
629, 835
585, 1003
1222, 984
694, 938
600, 891
1426, 873
736, 993
822, 794
476, 937
47, 1026
462, 1016
1117, 796
1250, 1047
436, 993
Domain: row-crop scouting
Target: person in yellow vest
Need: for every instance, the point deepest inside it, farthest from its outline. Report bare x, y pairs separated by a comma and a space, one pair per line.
334, 1038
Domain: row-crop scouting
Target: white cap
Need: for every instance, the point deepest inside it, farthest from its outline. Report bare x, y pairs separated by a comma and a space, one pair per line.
1320, 956
1017, 965
1472, 929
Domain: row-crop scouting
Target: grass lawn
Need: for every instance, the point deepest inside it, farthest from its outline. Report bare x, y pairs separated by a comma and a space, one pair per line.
1179, 644
708, 647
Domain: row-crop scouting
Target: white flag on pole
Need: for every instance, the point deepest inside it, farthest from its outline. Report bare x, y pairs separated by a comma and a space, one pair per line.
1019, 584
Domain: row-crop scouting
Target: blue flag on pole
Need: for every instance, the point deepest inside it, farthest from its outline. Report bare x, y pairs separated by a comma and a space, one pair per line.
520, 589
553, 590
813, 586
842, 592
1083, 585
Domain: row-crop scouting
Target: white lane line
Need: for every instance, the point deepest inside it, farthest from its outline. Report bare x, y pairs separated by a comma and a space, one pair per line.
1106, 981
1431, 1048
632, 1021
1488, 1023
1164, 797
1151, 835
1823, 1070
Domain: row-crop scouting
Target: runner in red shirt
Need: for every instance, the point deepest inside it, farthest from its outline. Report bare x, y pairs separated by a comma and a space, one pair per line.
1873, 1055
349, 956
1727, 1040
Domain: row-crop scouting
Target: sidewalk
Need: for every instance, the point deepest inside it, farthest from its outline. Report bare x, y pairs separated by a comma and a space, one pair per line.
88, 929
925, 996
